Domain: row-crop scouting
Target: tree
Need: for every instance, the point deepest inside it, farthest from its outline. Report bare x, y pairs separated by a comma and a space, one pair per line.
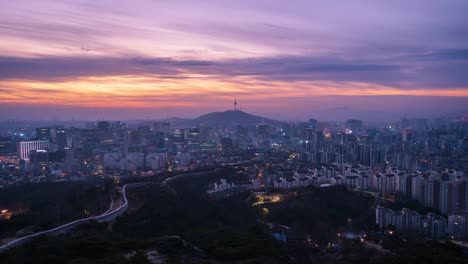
140, 258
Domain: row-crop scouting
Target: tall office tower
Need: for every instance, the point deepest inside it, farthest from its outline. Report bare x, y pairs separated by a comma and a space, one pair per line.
25, 147
193, 139
178, 136
43, 133
193, 135
61, 136
242, 135
312, 123
311, 140
73, 138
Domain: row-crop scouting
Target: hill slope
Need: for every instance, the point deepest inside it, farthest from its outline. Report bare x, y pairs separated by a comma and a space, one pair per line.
230, 118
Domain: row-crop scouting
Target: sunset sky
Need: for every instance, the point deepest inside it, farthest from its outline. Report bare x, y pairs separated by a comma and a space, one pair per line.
116, 59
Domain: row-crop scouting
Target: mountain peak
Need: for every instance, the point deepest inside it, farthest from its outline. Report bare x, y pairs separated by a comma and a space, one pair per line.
231, 118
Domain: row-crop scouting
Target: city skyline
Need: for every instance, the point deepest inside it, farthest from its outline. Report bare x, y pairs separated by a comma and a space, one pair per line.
153, 59
221, 131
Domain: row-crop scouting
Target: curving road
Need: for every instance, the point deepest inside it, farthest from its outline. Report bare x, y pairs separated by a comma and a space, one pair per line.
105, 217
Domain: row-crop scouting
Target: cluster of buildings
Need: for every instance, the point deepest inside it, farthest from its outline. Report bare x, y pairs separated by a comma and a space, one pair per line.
446, 190
406, 158
407, 221
297, 181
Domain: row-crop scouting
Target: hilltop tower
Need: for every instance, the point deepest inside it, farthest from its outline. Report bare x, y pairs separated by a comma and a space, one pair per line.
235, 104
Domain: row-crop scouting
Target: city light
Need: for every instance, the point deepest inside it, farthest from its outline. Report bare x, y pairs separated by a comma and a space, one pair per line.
233, 131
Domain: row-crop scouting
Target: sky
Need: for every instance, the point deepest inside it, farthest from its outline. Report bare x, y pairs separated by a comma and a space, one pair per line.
289, 60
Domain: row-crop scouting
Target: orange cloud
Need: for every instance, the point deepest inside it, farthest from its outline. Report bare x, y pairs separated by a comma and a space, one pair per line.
189, 90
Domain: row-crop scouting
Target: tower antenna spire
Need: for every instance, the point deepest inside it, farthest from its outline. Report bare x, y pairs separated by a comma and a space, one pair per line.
235, 103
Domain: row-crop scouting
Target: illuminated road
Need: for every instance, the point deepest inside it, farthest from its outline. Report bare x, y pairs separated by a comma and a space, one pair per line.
110, 215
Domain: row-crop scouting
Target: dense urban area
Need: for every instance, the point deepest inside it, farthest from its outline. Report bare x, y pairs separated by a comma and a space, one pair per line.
234, 186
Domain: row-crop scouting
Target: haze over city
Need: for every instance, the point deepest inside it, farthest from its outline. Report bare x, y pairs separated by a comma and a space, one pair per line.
233, 131
93, 60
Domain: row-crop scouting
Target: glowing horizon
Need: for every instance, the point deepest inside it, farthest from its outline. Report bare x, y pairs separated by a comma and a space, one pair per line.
197, 57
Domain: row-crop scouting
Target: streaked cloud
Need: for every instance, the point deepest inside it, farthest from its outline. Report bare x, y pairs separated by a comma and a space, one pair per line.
161, 54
